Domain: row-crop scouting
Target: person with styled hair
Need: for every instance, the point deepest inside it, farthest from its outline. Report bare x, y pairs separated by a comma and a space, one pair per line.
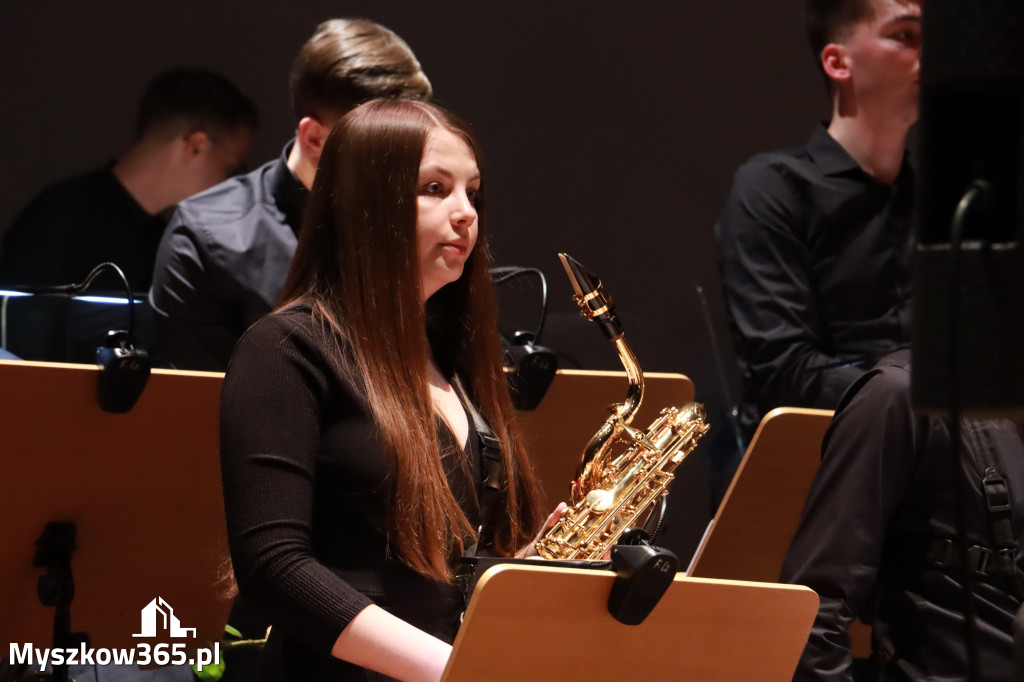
814, 241
192, 131
344, 63
351, 456
226, 252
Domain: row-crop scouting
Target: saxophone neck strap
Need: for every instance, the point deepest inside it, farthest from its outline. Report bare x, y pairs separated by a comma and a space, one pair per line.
491, 469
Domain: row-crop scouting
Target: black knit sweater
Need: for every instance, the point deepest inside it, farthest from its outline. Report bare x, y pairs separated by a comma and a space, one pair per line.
307, 488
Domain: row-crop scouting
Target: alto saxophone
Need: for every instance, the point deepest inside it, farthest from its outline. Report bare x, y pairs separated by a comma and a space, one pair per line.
613, 492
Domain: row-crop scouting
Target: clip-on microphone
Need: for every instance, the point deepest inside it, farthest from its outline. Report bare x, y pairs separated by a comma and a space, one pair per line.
124, 370
531, 367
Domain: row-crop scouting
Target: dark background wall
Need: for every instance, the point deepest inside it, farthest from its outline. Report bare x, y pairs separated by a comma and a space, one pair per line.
611, 130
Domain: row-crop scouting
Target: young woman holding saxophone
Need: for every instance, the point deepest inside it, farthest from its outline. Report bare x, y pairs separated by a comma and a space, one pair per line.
350, 459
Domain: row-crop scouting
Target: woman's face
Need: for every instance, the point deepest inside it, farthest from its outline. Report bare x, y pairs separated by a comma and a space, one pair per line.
446, 219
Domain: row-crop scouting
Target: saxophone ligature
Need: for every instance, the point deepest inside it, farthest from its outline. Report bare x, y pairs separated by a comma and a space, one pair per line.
613, 492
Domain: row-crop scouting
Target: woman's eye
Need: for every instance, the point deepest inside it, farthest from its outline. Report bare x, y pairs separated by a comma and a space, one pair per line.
432, 188
472, 195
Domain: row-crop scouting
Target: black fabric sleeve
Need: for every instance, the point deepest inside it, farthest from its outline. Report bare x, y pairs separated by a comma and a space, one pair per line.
274, 396
195, 327
766, 267
40, 245
868, 463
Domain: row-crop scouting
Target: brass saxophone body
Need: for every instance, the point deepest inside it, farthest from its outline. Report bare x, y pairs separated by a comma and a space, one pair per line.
613, 492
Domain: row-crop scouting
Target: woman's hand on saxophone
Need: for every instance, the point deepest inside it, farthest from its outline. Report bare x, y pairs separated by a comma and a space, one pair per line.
531, 549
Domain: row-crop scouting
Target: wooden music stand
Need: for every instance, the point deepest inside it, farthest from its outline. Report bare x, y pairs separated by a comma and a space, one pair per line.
143, 488
574, 408
750, 535
540, 623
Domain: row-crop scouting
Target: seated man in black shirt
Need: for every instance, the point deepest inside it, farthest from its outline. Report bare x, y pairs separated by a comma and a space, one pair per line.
193, 131
226, 252
878, 536
814, 241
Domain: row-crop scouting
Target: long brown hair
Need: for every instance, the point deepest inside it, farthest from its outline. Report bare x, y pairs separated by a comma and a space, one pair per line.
357, 264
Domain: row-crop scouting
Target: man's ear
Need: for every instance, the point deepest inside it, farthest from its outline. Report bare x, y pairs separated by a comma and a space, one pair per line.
836, 62
197, 142
312, 136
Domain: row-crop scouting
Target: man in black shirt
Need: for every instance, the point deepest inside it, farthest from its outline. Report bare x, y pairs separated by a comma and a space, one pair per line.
193, 131
814, 242
878, 536
226, 252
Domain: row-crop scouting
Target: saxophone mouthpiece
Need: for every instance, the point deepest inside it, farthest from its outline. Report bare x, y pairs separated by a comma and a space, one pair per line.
582, 281
594, 303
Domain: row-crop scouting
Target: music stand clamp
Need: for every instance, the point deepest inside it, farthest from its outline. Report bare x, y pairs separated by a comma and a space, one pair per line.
56, 587
643, 575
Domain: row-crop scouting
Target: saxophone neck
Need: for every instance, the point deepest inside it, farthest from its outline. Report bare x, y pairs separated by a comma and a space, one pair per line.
635, 376
622, 413
597, 306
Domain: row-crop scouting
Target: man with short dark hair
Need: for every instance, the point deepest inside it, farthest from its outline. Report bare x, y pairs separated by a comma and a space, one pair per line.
814, 242
193, 130
226, 253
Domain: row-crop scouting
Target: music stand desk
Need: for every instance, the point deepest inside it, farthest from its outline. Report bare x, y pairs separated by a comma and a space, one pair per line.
750, 534
143, 489
540, 623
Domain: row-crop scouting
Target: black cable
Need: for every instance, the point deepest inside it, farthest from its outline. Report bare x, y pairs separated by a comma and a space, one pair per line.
76, 289
508, 272
720, 367
662, 512
977, 193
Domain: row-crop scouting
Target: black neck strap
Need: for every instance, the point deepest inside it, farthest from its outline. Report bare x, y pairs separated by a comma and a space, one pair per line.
491, 466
